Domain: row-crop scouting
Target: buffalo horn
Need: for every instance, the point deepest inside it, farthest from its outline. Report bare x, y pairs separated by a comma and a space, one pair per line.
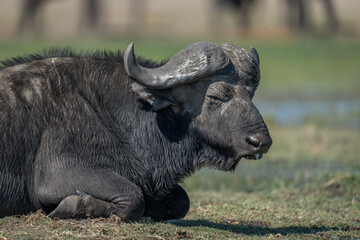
255, 55
245, 62
196, 61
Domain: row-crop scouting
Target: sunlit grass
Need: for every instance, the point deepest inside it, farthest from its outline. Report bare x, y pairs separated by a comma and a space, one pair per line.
279, 213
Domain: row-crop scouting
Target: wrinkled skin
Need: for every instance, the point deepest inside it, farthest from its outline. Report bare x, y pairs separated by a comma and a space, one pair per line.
227, 101
80, 138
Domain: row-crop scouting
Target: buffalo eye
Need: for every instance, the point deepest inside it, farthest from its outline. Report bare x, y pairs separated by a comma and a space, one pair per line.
220, 93
217, 99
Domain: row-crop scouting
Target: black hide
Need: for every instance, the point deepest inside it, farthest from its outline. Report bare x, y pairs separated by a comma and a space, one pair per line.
75, 141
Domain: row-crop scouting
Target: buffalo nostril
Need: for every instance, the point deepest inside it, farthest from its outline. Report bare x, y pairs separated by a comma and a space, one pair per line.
260, 142
253, 141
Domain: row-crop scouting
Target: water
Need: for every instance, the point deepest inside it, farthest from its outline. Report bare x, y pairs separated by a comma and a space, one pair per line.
345, 112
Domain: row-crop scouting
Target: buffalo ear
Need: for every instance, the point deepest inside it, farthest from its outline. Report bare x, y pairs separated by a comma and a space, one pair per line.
157, 102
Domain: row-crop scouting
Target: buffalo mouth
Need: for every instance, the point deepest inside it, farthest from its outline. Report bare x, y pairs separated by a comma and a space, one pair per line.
231, 160
231, 154
224, 159
256, 156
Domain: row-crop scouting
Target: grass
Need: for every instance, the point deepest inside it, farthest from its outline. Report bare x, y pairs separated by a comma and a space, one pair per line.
305, 68
279, 213
307, 187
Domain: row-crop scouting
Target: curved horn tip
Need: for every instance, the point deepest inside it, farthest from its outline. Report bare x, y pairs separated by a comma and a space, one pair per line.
255, 54
131, 45
129, 57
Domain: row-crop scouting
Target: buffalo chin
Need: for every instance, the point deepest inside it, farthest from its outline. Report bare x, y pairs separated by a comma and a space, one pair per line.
230, 165
218, 158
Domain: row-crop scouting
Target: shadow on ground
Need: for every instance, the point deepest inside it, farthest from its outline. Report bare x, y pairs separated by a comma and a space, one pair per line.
255, 228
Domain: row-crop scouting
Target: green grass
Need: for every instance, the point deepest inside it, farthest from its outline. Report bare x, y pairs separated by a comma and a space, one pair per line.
306, 187
279, 213
305, 68
318, 68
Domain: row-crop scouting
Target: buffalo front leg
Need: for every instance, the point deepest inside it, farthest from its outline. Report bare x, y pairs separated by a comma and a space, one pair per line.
83, 205
96, 193
172, 204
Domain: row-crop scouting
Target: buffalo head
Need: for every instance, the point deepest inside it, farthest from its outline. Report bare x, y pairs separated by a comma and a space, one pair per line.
213, 85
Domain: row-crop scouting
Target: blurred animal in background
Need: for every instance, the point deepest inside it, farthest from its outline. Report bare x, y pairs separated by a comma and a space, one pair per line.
95, 135
31, 17
224, 15
32, 20
239, 10
299, 16
91, 14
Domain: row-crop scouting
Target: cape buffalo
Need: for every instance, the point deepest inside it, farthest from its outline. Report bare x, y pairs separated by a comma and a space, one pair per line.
93, 135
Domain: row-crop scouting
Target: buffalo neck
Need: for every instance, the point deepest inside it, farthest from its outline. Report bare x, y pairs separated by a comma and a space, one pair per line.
164, 150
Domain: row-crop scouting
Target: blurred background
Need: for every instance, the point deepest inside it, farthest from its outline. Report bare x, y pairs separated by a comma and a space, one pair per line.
309, 53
